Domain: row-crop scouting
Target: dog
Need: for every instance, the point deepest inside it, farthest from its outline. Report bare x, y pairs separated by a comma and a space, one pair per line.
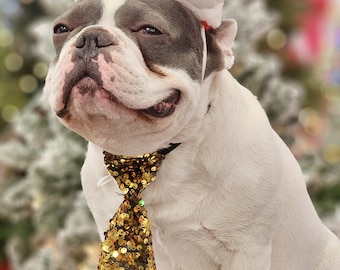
136, 76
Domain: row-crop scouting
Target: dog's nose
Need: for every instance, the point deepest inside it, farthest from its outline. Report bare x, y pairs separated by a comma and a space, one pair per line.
92, 40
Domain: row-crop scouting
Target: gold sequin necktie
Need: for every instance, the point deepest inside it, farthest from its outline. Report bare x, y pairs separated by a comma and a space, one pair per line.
128, 242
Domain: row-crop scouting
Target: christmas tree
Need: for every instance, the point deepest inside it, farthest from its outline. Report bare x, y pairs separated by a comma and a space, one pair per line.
310, 33
47, 224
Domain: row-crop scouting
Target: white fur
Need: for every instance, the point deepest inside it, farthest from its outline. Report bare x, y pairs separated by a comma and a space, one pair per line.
110, 7
232, 197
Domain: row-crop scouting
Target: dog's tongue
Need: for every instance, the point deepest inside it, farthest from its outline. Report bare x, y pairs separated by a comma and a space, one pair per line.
165, 108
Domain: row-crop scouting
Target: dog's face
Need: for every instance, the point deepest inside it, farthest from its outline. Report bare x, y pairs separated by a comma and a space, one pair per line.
129, 74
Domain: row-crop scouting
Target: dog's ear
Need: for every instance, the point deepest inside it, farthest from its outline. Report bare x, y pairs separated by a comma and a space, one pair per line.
225, 36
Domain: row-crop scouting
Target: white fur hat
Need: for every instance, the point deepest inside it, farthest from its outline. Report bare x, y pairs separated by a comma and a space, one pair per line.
206, 10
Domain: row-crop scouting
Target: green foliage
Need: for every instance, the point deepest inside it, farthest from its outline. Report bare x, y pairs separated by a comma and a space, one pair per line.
21, 46
326, 193
22, 229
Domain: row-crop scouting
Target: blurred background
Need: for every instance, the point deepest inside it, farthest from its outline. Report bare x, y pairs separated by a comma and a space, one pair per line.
287, 53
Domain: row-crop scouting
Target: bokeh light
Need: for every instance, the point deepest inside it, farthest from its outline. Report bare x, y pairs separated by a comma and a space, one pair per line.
13, 62
311, 121
276, 39
331, 153
28, 84
40, 70
6, 37
331, 92
10, 113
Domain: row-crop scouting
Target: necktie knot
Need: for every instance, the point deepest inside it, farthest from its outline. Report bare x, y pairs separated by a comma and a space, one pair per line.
133, 174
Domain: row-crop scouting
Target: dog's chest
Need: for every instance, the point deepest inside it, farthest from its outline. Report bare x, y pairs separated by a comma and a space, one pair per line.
175, 206
183, 243
186, 245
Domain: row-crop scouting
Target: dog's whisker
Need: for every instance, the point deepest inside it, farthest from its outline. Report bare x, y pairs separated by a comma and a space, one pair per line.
120, 194
106, 179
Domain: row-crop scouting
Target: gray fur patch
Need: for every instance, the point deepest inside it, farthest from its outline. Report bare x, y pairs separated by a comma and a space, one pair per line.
179, 45
81, 14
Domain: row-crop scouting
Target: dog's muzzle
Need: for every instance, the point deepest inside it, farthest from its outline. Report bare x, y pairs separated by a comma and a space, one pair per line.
87, 77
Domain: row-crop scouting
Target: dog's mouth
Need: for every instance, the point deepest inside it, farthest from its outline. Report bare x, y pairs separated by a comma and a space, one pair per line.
166, 107
89, 86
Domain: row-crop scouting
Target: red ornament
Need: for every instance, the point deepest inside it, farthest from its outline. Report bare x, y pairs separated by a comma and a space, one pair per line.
4, 266
206, 25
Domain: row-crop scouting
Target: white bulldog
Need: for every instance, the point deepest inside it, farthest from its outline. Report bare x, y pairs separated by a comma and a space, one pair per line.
136, 76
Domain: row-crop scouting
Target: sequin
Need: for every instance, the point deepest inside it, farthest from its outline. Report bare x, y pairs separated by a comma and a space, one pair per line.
141, 203
115, 254
128, 240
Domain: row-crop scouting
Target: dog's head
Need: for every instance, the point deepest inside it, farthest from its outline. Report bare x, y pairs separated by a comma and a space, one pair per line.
132, 76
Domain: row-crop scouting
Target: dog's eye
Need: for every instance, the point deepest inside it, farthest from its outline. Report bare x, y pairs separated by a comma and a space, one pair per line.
150, 30
60, 29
